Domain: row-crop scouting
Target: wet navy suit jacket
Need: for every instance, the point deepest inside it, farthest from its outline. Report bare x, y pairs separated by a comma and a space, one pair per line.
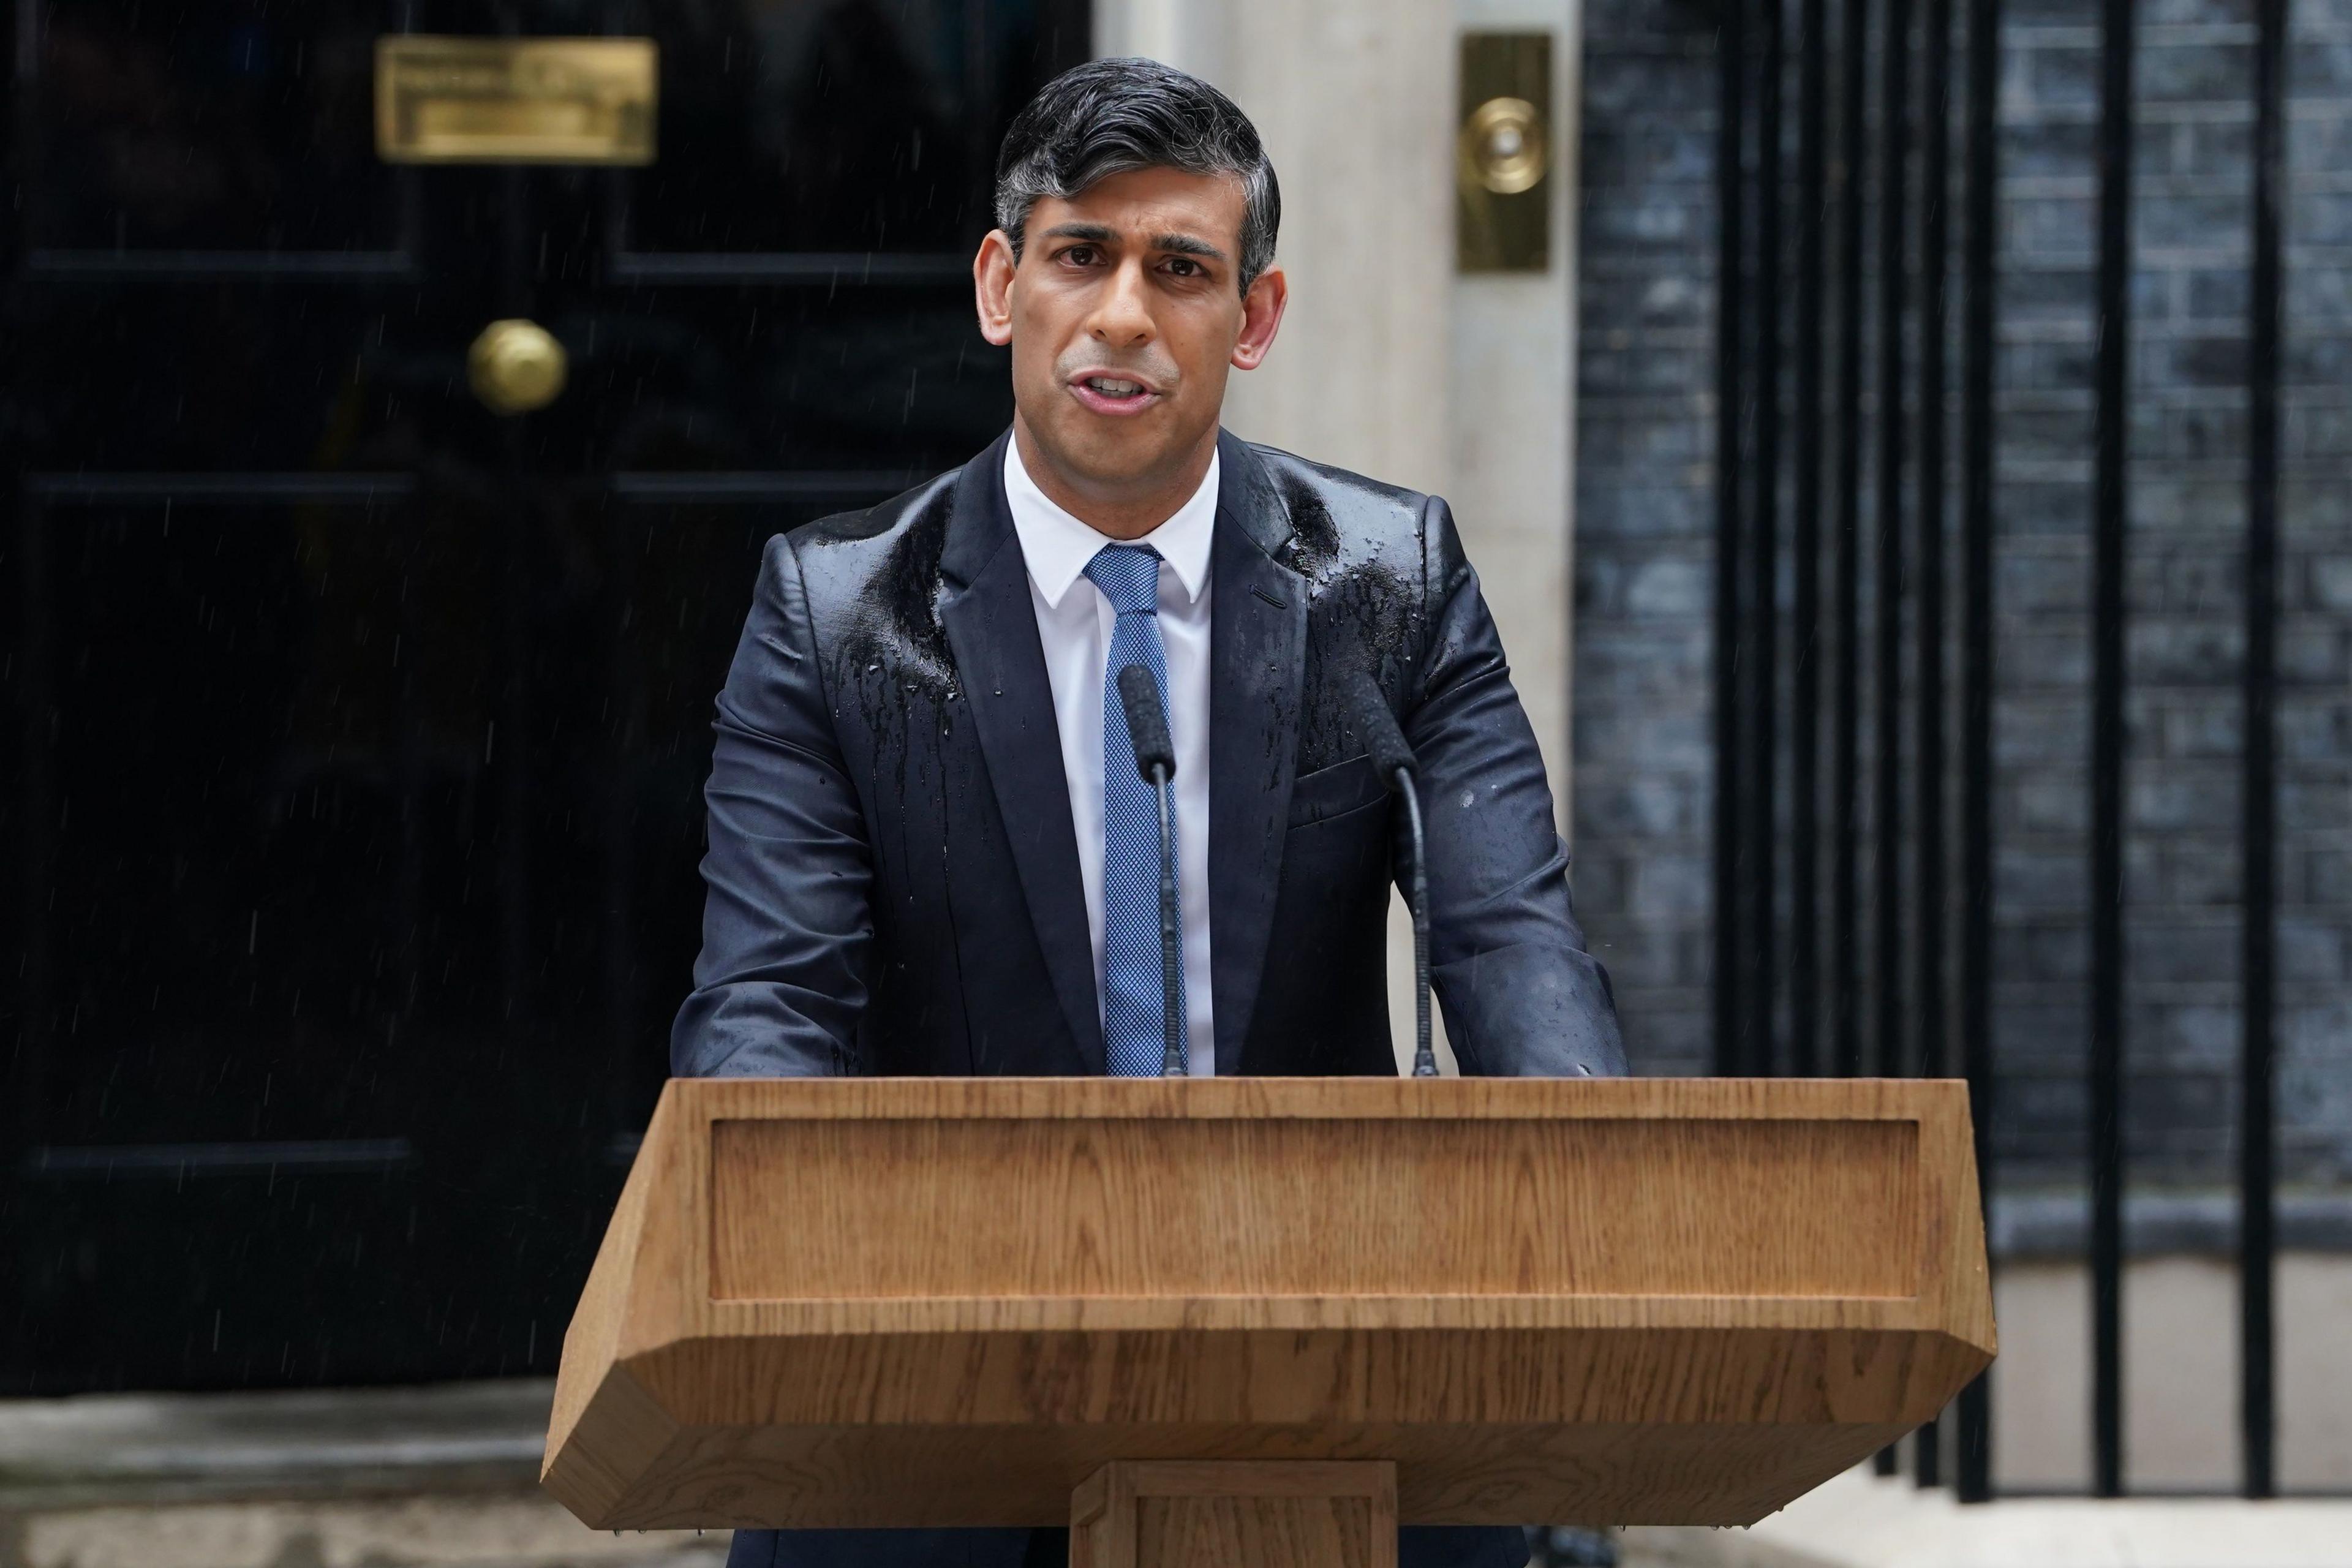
893, 877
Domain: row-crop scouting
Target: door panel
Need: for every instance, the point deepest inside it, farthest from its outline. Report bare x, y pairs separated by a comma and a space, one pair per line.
190, 374
352, 806
220, 126
893, 381
853, 126
266, 783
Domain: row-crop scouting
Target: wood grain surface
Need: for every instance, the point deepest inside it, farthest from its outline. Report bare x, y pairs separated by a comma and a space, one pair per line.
949, 1301
1236, 1207
1300, 1514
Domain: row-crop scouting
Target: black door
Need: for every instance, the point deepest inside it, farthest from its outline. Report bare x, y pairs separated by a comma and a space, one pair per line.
357, 731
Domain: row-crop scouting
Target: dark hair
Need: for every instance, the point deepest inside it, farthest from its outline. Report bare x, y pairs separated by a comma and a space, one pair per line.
1110, 117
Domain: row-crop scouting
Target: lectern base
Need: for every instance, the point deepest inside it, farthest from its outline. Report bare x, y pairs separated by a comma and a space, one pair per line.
1181, 1513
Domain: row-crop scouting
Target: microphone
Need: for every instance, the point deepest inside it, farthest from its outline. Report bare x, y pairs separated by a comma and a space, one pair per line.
1393, 761
1155, 758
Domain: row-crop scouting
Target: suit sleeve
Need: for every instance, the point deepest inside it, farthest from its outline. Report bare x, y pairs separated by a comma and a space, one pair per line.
1521, 996
786, 929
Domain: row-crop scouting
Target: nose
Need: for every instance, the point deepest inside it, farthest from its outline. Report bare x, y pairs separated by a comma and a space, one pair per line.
1122, 316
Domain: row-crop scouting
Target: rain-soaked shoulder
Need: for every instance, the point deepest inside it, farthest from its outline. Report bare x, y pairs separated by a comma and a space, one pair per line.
855, 528
872, 580
1346, 527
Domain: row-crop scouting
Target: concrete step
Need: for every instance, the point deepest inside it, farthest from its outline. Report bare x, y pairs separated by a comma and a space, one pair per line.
1861, 1520
406, 1478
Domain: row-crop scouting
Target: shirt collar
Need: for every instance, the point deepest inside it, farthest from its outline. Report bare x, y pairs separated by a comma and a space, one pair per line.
1057, 545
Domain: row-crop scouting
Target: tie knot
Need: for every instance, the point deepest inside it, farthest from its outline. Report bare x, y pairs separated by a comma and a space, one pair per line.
1128, 576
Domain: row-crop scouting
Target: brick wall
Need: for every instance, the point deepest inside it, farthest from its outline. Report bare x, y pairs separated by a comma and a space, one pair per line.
1645, 551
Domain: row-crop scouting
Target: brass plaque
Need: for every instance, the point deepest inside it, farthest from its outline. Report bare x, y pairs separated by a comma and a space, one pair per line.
515, 100
1503, 154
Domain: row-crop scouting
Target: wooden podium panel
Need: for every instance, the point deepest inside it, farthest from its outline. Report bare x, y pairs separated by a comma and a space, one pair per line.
832, 1302
1193, 1513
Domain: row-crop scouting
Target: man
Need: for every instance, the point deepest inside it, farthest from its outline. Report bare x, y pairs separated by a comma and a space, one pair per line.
930, 850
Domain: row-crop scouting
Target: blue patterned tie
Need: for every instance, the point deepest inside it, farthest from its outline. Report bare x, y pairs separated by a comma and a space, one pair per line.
1133, 1014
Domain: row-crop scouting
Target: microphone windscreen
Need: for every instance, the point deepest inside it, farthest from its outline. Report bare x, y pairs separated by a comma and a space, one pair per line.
1382, 739
1147, 721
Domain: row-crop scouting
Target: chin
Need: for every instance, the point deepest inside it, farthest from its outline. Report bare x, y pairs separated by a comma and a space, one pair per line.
1123, 453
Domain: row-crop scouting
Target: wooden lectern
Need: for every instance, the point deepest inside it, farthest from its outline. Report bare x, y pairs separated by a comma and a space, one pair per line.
1266, 1320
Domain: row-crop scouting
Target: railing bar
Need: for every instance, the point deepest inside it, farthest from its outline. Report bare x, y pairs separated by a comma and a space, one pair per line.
1764, 561
2258, 975
1804, 629
1894, 115
1974, 1436
1927, 587
1845, 765
1894, 111
2107, 890
1730, 46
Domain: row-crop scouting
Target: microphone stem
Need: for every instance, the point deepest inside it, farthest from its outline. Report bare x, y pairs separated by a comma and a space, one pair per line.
1424, 1054
1172, 1055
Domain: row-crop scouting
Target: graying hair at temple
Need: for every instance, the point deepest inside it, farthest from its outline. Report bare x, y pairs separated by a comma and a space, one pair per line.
1114, 116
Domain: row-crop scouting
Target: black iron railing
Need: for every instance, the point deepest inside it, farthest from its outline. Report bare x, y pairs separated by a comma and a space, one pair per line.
1850, 413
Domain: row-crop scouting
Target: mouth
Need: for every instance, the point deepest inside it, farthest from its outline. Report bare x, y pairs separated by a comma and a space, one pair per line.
1117, 395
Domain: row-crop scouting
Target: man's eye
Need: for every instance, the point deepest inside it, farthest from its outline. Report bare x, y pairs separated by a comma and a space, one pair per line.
1183, 267
1079, 255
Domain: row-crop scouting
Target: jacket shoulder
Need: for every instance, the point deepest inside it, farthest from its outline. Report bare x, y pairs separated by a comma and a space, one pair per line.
845, 559
1349, 529
870, 581
873, 532
1349, 499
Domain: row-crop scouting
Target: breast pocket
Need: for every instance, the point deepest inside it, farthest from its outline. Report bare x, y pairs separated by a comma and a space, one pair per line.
1334, 792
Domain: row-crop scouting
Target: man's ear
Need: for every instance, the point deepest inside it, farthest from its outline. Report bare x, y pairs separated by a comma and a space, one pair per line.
1262, 309
992, 287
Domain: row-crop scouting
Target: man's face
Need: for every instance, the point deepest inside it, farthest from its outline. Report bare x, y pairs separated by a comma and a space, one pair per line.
1124, 317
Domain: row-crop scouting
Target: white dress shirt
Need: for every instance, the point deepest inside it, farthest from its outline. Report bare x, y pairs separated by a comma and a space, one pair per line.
1074, 623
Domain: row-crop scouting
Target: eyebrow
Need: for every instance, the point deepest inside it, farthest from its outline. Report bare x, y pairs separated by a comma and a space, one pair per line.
1100, 234
1185, 245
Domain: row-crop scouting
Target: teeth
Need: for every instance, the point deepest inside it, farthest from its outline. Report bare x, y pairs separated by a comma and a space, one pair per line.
1110, 388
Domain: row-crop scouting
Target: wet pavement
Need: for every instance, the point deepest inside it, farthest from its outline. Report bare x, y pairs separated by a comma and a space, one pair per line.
406, 1478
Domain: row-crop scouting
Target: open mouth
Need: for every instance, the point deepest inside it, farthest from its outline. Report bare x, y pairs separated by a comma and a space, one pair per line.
1113, 394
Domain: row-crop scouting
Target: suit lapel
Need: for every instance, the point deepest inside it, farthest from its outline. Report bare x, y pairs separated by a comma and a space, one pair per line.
1257, 639
993, 630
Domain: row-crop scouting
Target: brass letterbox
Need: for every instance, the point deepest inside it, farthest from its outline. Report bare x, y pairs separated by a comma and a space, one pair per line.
515, 100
